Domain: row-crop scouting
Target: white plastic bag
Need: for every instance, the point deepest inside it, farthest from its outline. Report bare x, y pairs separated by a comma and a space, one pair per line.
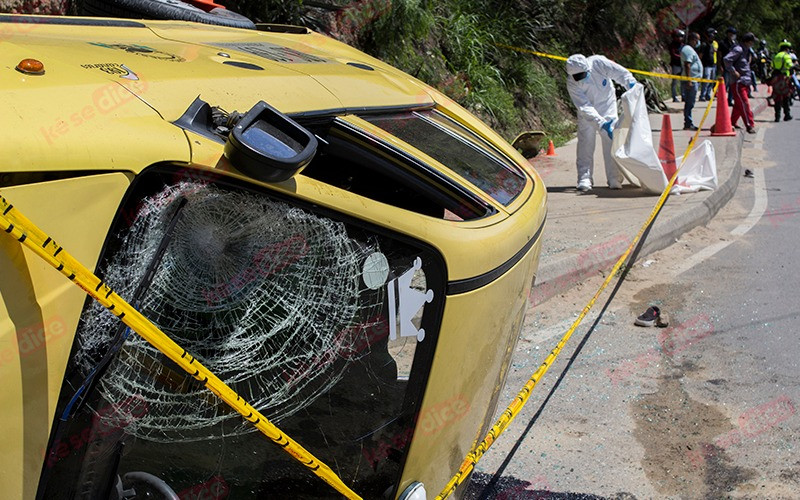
633, 144
699, 172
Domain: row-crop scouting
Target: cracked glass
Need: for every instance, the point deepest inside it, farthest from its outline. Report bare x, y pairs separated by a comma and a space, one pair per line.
322, 324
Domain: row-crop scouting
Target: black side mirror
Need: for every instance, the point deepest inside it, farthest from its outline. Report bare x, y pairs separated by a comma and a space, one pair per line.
268, 145
529, 143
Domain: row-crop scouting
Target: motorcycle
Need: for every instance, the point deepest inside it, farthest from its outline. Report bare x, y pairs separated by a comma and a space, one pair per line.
763, 66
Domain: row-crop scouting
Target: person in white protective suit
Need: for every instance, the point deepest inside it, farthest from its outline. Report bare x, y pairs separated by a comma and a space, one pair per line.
590, 86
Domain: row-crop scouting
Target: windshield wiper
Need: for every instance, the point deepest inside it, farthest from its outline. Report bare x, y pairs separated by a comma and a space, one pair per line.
123, 331
121, 334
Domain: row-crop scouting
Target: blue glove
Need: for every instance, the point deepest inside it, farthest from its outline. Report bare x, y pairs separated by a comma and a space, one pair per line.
631, 85
609, 128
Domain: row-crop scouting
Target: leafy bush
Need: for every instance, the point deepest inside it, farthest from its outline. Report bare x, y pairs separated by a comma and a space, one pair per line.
270, 11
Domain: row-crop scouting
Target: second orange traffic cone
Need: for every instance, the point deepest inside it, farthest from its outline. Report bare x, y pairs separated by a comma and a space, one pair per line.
551, 149
723, 126
666, 148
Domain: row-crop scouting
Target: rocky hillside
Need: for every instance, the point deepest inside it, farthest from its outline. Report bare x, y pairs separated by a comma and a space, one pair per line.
33, 6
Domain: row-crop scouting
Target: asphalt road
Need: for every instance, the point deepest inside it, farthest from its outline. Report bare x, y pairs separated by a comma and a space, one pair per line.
706, 408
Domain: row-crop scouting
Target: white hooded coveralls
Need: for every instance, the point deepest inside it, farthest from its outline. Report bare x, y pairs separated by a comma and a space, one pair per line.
596, 100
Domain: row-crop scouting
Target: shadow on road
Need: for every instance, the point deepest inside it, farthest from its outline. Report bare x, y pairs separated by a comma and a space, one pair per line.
483, 486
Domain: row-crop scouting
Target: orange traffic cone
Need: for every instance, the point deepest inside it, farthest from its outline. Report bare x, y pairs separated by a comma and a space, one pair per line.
666, 148
551, 149
722, 127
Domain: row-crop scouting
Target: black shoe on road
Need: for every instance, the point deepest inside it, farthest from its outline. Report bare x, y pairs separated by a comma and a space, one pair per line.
649, 317
787, 118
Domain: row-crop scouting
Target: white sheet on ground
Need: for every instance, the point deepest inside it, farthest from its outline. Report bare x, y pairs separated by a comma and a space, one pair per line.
633, 144
699, 172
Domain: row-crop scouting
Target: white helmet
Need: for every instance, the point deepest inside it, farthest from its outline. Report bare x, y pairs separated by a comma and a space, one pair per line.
577, 63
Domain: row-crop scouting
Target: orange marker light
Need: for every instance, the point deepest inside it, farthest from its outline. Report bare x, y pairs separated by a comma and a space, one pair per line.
31, 67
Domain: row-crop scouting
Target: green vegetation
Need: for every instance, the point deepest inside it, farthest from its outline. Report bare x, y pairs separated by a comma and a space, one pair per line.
270, 11
773, 20
453, 46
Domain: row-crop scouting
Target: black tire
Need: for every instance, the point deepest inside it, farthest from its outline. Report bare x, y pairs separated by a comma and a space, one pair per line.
162, 9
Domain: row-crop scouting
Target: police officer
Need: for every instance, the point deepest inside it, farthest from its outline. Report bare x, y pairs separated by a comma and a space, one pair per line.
782, 88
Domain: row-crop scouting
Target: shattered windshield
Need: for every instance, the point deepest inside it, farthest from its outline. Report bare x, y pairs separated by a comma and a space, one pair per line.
324, 326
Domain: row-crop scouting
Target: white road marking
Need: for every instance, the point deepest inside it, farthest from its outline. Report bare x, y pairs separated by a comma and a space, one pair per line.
759, 207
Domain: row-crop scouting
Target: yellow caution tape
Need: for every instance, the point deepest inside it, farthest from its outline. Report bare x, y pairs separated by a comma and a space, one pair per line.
23, 230
637, 71
521, 398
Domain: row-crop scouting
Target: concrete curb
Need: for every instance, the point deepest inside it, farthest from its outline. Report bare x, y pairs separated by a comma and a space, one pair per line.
665, 232
562, 274
683, 222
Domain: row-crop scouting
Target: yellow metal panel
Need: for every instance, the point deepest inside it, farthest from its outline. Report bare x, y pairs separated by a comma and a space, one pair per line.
187, 63
353, 86
206, 152
39, 313
73, 118
472, 359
